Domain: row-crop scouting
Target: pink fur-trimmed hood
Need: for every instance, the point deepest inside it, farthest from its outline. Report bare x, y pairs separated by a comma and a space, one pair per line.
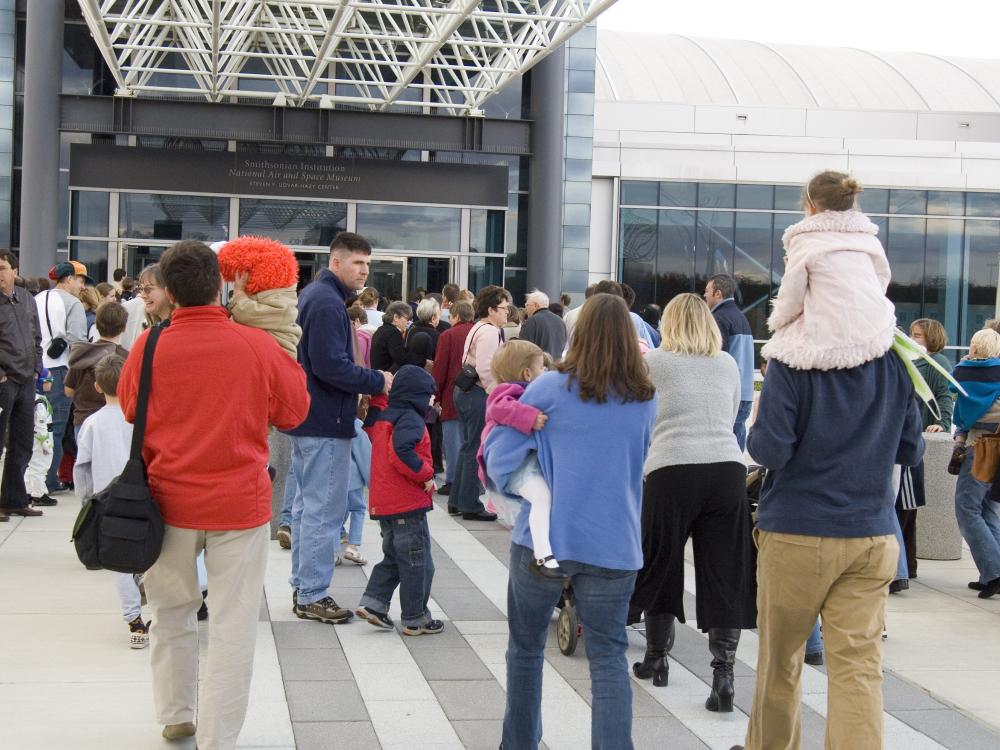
831, 221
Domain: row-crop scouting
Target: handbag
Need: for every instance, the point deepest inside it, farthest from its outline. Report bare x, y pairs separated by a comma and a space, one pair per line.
57, 344
120, 528
467, 376
986, 456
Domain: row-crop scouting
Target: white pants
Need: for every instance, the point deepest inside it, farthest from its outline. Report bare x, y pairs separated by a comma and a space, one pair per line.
38, 467
128, 595
235, 561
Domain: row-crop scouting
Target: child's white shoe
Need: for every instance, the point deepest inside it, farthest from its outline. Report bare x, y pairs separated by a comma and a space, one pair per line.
352, 553
138, 633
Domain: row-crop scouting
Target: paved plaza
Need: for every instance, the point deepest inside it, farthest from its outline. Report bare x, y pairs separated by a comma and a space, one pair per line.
68, 680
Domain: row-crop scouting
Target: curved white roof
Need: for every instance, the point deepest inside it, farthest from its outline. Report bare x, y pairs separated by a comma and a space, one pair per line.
676, 69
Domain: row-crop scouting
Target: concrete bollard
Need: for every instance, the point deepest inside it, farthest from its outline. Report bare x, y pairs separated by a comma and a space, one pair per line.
937, 530
280, 446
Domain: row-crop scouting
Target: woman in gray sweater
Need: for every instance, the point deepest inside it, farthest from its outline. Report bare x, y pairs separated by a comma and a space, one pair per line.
695, 488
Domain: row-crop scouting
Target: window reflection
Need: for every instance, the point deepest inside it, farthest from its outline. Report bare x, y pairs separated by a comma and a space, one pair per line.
173, 217
390, 227
307, 223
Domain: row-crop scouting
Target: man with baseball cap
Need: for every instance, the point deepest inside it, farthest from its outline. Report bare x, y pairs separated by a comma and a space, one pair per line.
63, 321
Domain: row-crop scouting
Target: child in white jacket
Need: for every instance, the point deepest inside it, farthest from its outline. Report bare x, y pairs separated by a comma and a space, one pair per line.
831, 311
41, 449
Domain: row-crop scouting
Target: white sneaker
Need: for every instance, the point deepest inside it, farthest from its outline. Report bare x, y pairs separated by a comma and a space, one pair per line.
352, 553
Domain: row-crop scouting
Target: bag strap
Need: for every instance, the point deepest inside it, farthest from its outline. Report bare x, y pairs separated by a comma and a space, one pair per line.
142, 401
48, 320
465, 359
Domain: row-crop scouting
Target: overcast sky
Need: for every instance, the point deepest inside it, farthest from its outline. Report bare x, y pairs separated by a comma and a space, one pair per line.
964, 28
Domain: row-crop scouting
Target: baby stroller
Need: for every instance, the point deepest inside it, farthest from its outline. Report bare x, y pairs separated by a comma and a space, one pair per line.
569, 629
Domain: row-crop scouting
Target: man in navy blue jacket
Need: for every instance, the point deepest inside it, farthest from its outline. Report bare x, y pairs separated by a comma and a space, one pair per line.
737, 341
825, 534
321, 445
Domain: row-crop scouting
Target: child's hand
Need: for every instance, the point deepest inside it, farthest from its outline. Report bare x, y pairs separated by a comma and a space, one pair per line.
540, 421
240, 282
430, 486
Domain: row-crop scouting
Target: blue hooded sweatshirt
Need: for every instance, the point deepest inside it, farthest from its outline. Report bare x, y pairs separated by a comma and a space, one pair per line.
981, 380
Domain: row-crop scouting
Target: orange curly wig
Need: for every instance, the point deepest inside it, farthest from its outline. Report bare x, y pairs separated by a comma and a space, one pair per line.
271, 264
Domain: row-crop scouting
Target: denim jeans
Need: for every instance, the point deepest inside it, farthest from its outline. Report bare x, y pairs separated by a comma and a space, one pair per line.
471, 407
60, 403
17, 425
740, 425
407, 563
291, 487
452, 437
323, 467
356, 508
602, 597
815, 643
902, 570
978, 521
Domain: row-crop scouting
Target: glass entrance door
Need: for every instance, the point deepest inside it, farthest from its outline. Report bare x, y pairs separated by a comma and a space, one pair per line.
396, 278
137, 257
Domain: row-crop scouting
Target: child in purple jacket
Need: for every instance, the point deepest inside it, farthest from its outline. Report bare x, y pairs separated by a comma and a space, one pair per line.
515, 365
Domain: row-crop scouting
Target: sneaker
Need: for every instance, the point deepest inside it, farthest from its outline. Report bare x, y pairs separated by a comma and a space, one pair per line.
284, 536
990, 589
45, 501
352, 553
431, 627
295, 601
325, 610
138, 633
378, 619
178, 731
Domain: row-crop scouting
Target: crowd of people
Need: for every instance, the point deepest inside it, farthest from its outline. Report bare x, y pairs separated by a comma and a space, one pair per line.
504, 413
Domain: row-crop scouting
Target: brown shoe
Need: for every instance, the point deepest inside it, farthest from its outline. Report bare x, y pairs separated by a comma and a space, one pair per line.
178, 731
3, 517
21, 512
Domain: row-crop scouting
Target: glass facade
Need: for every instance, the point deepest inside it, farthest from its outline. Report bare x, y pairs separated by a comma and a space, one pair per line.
942, 245
154, 216
414, 228
7, 53
295, 223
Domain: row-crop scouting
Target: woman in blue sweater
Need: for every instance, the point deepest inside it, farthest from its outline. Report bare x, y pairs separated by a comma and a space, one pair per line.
601, 405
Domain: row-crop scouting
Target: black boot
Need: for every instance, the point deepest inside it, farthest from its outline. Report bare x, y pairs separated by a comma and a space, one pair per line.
722, 642
659, 641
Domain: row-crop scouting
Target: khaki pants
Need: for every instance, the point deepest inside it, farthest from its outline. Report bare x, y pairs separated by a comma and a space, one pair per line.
847, 582
235, 561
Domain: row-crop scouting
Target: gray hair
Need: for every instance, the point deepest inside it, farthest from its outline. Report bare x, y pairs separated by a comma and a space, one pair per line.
397, 308
427, 308
539, 298
724, 283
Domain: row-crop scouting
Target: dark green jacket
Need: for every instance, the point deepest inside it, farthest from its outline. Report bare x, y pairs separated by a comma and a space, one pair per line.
939, 387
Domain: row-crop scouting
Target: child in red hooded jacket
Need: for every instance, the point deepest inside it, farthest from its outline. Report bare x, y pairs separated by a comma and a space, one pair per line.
401, 492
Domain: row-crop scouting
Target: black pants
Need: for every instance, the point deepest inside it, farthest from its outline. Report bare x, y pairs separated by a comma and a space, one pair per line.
436, 434
17, 431
707, 503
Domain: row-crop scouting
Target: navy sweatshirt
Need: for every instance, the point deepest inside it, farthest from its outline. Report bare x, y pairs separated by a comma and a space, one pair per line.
326, 353
830, 439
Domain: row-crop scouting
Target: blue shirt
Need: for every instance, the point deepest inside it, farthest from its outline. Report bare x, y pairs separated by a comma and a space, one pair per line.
830, 439
591, 456
737, 341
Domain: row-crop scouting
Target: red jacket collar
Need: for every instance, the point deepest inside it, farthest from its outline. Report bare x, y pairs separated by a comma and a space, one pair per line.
199, 314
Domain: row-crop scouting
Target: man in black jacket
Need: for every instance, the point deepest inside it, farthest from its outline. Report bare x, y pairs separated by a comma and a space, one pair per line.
20, 363
543, 327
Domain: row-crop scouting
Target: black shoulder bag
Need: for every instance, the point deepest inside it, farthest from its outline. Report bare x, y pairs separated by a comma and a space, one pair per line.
120, 528
57, 344
468, 376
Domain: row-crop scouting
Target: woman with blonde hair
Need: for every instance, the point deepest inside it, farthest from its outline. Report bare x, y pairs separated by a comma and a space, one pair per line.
600, 405
695, 488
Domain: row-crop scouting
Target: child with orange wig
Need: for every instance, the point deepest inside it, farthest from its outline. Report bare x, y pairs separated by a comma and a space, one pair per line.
265, 275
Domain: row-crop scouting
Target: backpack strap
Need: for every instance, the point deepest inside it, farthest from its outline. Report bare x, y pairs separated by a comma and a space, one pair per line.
142, 401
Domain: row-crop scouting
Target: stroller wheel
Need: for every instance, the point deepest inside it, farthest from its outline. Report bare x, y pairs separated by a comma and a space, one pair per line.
568, 629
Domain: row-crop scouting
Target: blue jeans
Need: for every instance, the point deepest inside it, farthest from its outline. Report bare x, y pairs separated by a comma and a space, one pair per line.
602, 597
740, 425
356, 516
978, 521
407, 563
471, 406
451, 431
815, 643
902, 569
323, 466
60, 403
291, 487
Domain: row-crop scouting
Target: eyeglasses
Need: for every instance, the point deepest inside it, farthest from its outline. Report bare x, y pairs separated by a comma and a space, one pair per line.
146, 289
504, 308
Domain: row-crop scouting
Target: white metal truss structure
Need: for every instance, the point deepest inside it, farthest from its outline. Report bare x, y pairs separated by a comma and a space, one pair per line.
371, 54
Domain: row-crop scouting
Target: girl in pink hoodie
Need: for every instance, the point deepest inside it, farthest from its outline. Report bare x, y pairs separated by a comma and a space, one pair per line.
515, 365
831, 311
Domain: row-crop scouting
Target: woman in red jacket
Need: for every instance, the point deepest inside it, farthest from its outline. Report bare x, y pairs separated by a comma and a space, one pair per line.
447, 363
